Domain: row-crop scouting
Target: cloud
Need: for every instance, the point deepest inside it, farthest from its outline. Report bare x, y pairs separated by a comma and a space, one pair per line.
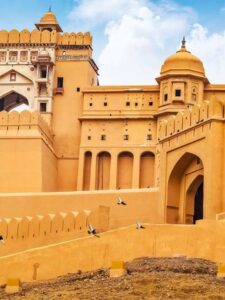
139, 35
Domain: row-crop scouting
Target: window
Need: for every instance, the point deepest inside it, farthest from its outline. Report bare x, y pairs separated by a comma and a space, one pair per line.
149, 137
103, 137
177, 93
78, 89
127, 103
33, 55
2, 56
165, 97
60, 82
89, 137
150, 103
23, 56
43, 71
194, 97
105, 104
136, 104
43, 107
13, 55
13, 76
90, 104
126, 137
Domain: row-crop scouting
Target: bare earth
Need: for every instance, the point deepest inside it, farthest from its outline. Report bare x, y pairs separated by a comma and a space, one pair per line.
147, 278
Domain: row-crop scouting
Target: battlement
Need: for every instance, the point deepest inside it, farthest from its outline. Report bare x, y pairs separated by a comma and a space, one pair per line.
44, 37
190, 118
24, 123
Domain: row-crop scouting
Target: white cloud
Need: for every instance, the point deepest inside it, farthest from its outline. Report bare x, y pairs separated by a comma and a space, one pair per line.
140, 35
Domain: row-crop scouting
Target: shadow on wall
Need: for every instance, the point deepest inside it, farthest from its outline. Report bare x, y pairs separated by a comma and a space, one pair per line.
52, 225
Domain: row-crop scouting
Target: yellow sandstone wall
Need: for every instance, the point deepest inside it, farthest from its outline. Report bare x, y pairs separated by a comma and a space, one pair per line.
204, 240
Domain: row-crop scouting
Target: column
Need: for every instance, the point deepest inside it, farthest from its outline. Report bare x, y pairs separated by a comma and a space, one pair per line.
136, 171
93, 171
113, 171
80, 175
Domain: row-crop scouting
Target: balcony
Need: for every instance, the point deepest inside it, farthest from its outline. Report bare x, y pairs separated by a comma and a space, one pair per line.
58, 90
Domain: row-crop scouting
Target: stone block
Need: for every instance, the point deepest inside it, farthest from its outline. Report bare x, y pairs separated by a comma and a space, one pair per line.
117, 269
13, 285
221, 271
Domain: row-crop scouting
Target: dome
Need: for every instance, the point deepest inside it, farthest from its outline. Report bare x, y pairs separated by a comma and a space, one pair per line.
183, 62
49, 21
49, 18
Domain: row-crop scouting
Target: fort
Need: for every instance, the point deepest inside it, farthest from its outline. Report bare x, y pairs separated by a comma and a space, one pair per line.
79, 145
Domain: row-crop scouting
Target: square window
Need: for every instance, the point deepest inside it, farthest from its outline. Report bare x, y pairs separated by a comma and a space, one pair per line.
78, 89
165, 97
103, 137
90, 104
150, 103
126, 137
43, 107
105, 104
136, 104
89, 137
177, 93
128, 103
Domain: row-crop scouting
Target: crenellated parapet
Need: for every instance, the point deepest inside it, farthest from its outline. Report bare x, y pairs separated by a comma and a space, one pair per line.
44, 37
52, 225
190, 118
23, 124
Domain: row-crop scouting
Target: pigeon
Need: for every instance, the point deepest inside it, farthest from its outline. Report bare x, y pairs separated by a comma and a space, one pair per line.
92, 231
2, 239
120, 201
139, 226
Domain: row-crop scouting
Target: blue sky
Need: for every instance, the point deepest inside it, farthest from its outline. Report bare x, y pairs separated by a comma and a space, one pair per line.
133, 37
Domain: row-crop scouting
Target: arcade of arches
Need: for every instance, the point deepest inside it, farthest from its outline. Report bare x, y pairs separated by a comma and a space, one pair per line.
185, 198
122, 171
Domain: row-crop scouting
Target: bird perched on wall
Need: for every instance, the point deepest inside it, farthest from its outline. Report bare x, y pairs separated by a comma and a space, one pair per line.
120, 201
2, 239
139, 225
92, 230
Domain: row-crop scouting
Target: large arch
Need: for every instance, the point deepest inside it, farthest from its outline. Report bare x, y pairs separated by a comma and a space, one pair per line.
12, 100
125, 170
103, 170
184, 181
147, 169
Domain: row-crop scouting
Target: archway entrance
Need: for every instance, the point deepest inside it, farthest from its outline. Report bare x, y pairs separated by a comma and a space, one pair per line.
13, 101
185, 197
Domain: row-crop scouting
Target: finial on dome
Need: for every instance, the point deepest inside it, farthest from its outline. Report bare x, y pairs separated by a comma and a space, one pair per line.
183, 46
50, 8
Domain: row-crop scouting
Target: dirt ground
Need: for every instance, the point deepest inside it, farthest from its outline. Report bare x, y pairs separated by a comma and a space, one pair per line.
147, 278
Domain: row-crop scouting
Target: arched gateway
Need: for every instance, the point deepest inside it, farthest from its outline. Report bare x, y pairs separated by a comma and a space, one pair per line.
12, 100
185, 193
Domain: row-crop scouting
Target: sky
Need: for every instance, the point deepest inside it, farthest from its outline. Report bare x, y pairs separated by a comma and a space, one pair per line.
132, 38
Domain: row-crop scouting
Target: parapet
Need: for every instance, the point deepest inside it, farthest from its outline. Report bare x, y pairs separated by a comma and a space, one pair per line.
23, 123
44, 37
190, 117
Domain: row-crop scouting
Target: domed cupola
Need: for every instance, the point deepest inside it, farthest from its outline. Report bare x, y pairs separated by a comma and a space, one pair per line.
49, 22
182, 79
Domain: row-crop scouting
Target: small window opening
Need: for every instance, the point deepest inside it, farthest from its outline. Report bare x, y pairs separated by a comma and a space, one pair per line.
177, 93
89, 137
150, 103
136, 104
103, 137
78, 89
126, 137
105, 104
13, 76
43, 72
165, 97
43, 107
127, 103
149, 137
90, 104
60, 82
194, 97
